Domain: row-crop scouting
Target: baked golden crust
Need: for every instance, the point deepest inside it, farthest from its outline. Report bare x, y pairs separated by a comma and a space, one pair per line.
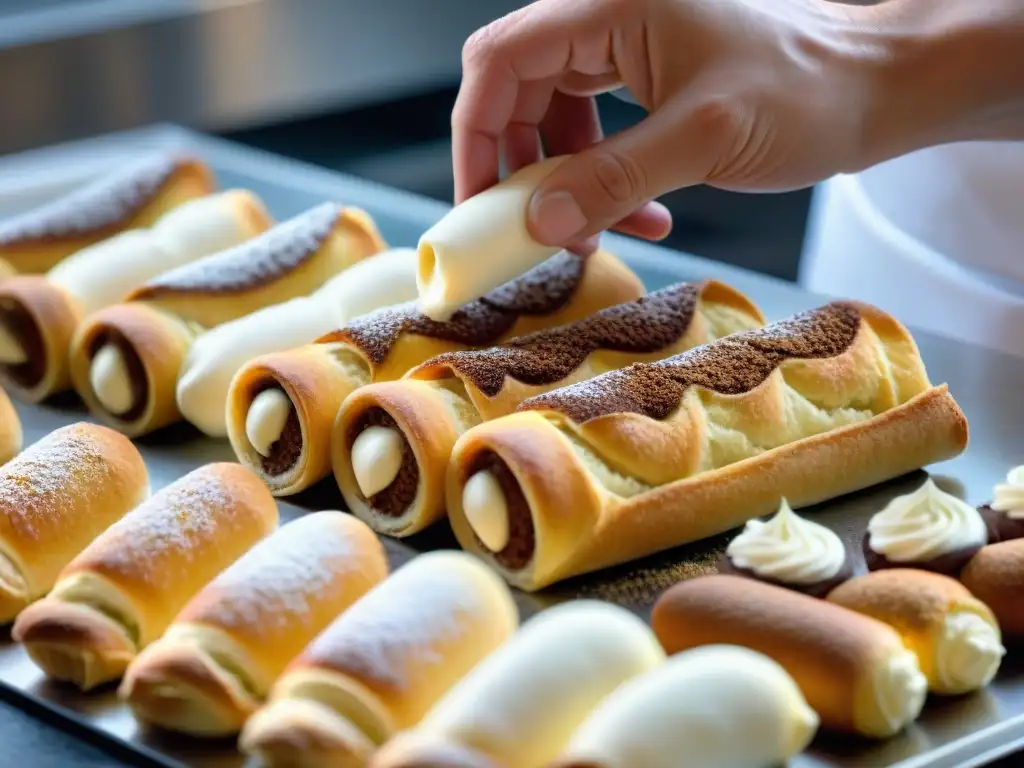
617, 483
11, 436
438, 401
995, 575
384, 345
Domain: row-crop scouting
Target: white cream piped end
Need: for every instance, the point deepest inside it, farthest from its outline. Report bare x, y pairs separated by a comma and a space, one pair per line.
486, 510
268, 414
11, 351
968, 654
110, 380
376, 459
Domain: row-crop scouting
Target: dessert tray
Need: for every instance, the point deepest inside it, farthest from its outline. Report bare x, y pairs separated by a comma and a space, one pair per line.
955, 731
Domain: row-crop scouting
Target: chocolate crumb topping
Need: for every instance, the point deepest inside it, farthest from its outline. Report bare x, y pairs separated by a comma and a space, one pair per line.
543, 290
651, 323
394, 500
731, 366
103, 204
132, 363
23, 327
257, 262
285, 452
522, 538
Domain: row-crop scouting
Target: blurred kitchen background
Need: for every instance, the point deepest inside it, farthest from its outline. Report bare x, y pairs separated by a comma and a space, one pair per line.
360, 86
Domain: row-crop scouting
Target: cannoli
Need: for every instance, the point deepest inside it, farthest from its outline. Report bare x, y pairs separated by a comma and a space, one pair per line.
122, 591
1004, 515
520, 707
720, 706
956, 636
282, 407
215, 664
789, 551
995, 575
656, 455
481, 244
854, 670
10, 429
128, 198
393, 440
39, 315
55, 498
215, 357
125, 359
382, 664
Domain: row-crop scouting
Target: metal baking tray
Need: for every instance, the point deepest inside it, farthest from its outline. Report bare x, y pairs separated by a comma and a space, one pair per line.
965, 731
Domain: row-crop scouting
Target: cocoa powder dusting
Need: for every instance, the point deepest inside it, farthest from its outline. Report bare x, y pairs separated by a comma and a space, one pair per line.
730, 366
651, 323
394, 500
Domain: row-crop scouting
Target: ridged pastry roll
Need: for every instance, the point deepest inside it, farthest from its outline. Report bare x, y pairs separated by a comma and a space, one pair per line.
282, 407
657, 455
39, 315
393, 440
125, 360
132, 196
215, 664
956, 636
55, 498
383, 663
720, 706
213, 360
995, 575
122, 591
520, 707
481, 244
11, 436
854, 670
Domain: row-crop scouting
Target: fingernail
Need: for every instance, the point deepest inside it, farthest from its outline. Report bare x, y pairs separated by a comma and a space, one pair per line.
556, 217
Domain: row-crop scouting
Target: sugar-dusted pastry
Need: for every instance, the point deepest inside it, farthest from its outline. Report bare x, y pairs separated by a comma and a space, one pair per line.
10, 429
383, 663
720, 706
1004, 515
481, 244
125, 359
215, 357
928, 529
660, 454
132, 196
393, 440
995, 575
216, 663
55, 498
122, 591
282, 407
956, 636
39, 314
789, 551
854, 670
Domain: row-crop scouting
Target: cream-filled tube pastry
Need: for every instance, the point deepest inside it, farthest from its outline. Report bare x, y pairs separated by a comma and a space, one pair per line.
282, 407
55, 498
215, 664
11, 435
956, 636
393, 440
215, 357
1004, 515
661, 454
928, 529
381, 665
39, 314
130, 197
125, 359
122, 591
520, 707
854, 670
481, 244
720, 706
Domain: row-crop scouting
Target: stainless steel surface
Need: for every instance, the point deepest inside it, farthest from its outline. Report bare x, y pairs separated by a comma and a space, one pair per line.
72, 68
965, 731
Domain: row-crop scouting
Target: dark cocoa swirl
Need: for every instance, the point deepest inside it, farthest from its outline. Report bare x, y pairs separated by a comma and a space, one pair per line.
254, 263
100, 205
730, 366
647, 325
543, 290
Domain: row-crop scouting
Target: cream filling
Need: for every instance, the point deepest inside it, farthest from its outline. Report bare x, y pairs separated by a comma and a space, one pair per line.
968, 653
486, 510
376, 459
110, 380
11, 351
264, 423
1008, 496
899, 690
